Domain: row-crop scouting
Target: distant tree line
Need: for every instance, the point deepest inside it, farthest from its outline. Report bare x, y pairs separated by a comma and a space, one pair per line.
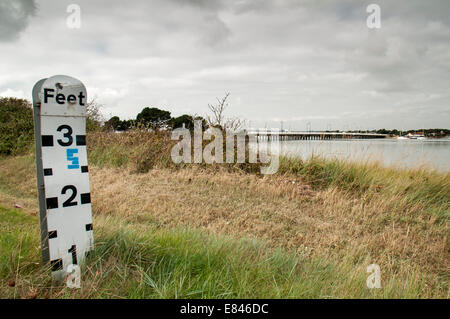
434, 132
153, 118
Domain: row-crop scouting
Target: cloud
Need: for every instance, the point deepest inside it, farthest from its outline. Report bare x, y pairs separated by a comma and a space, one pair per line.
14, 17
13, 93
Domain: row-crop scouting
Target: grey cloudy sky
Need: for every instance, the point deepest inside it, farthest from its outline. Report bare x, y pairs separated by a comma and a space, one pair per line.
281, 60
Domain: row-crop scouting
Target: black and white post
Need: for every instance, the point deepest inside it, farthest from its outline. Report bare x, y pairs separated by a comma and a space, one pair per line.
59, 104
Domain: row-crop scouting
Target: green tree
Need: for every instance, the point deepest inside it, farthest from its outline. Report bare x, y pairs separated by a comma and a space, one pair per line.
126, 125
153, 117
116, 124
113, 123
185, 119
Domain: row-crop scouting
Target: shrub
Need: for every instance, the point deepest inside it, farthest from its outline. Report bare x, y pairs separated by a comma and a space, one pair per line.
16, 125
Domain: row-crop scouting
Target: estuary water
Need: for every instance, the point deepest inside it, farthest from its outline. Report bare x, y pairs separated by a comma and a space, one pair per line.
429, 153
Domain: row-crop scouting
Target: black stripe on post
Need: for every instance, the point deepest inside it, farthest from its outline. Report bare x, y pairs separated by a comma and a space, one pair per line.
57, 264
47, 140
89, 227
52, 202
73, 251
85, 198
81, 140
48, 172
84, 169
52, 234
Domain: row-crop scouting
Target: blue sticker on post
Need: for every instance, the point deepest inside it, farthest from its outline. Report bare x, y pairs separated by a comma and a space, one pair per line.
75, 164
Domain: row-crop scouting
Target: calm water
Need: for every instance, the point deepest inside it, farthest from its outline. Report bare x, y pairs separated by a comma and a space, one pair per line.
432, 153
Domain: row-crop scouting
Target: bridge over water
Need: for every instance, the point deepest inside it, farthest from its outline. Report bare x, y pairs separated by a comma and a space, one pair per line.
312, 135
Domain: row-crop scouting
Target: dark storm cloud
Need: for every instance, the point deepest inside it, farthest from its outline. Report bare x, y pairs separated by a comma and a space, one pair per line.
14, 16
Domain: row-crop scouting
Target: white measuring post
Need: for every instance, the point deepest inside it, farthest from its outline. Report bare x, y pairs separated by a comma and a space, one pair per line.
59, 104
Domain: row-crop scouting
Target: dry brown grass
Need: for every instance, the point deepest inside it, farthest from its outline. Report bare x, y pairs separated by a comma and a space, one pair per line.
281, 210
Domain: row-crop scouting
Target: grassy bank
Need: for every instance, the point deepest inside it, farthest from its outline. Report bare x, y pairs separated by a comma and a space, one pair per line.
137, 260
211, 231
